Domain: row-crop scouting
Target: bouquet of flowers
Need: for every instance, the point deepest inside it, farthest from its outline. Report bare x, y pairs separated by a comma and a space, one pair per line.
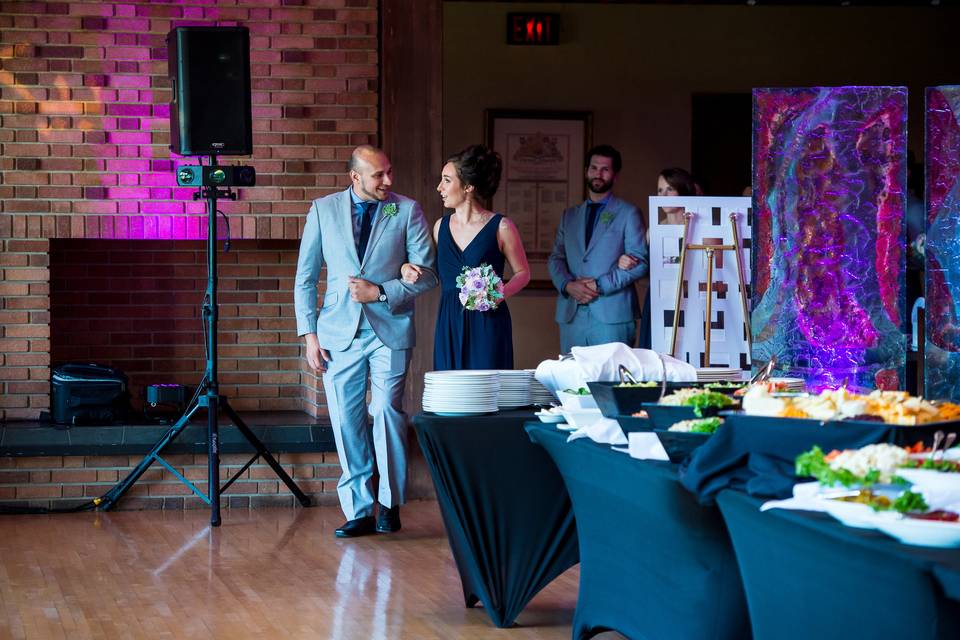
481, 289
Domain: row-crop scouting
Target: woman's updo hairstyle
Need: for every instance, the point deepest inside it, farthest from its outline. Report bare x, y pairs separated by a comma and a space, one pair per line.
480, 168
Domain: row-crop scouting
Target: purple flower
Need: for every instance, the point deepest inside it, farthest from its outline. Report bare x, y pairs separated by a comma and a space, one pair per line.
477, 284
483, 305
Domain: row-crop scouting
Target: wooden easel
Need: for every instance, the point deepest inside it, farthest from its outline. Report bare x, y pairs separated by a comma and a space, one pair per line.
710, 249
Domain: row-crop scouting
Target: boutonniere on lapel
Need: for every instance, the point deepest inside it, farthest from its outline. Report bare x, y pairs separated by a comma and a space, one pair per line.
606, 217
389, 210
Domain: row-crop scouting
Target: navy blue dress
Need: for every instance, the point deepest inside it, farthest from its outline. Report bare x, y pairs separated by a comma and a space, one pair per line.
470, 339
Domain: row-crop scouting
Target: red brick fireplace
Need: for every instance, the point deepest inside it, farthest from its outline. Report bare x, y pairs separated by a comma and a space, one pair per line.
102, 254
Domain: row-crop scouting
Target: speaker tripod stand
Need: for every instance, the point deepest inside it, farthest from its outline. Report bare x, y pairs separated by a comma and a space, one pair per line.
208, 396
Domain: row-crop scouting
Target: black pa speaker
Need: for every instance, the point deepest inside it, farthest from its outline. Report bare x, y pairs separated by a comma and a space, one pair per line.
209, 71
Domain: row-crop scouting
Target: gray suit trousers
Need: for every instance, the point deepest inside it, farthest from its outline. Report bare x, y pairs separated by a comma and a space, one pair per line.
345, 383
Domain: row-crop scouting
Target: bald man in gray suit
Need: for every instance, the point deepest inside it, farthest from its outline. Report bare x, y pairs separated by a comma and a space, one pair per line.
365, 328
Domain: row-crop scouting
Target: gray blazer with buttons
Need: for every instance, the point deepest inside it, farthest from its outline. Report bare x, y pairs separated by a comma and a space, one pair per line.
328, 240
618, 230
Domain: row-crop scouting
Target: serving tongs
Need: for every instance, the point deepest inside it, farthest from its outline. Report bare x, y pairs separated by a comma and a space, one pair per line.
941, 442
626, 377
764, 374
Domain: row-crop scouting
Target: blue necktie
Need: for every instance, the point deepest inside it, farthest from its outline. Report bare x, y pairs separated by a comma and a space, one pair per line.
366, 221
593, 209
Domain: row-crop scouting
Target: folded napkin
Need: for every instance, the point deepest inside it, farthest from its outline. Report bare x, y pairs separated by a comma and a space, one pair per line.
602, 362
603, 431
645, 445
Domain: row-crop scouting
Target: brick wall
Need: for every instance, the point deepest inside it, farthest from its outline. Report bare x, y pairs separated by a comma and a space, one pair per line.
62, 481
84, 132
135, 305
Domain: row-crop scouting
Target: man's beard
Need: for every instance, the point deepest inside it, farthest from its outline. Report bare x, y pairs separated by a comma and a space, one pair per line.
604, 186
371, 192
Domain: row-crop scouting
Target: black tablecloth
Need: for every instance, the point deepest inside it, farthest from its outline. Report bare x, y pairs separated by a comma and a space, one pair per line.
757, 456
506, 511
808, 576
653, 563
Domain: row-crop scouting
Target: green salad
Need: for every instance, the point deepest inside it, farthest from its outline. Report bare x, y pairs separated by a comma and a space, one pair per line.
631, 385
699, 399
814, 463
700, 425
945, 466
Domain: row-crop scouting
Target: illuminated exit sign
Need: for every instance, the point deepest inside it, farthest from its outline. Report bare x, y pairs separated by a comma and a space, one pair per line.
533, 28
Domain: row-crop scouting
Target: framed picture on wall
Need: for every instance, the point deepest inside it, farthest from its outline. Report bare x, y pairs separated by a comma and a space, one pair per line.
542, 155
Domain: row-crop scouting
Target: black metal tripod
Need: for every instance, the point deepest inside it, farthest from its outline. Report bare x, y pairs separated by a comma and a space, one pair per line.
208, 396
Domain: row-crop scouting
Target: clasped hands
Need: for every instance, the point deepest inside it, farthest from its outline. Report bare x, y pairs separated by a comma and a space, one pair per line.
583, 290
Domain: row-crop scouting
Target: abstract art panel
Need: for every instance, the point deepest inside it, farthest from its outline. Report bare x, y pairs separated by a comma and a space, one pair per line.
829, 189
942, 360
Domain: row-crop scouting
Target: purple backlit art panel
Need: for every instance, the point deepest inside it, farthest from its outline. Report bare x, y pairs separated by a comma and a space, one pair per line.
942, 360
829, 180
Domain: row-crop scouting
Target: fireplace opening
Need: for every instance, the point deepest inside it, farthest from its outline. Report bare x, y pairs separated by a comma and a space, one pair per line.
136, 305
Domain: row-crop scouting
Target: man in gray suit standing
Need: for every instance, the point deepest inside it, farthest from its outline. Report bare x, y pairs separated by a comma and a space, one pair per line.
363, 235
597, 303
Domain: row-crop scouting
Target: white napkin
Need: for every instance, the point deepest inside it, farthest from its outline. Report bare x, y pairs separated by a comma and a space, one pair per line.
602, 430
557, 375
602, 362
645, 445
805, 498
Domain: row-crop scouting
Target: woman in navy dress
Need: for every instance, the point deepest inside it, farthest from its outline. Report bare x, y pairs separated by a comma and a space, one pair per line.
470, 237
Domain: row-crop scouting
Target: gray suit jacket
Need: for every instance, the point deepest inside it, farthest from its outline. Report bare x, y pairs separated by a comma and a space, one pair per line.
619, 230
328, 240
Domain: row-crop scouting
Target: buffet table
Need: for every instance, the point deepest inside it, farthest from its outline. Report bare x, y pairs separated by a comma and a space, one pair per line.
653, 562
808, 576
506, 511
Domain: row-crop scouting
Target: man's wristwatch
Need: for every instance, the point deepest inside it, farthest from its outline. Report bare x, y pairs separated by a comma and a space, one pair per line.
383, 294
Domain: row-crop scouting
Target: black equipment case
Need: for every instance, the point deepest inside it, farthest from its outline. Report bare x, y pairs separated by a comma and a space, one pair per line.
88, 394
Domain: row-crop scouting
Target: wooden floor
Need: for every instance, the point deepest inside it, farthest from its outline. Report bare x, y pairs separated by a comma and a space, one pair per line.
270, 573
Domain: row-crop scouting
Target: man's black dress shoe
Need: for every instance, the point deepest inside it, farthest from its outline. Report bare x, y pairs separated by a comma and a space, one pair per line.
388, 520
357, 527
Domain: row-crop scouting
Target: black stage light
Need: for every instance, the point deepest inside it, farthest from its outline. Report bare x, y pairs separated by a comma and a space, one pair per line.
195, 175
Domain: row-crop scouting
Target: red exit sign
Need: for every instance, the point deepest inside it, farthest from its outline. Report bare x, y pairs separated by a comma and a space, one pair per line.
533, 28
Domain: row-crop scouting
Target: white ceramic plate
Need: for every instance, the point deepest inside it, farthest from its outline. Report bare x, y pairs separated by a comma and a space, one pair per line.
578, 418
930, 479
551, 418
923, 533
854, 514
576, 402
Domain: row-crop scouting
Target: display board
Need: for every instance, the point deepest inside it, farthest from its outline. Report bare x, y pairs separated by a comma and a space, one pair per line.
709, 225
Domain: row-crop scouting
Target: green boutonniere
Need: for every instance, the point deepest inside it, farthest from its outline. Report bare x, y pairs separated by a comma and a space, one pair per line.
606, 217
390, 210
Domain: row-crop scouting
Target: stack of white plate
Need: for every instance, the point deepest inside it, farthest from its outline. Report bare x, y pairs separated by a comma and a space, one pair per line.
539, 394
514, 388
720, 374
461, 393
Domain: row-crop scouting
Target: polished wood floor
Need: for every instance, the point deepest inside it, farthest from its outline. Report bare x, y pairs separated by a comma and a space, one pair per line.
270, 573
